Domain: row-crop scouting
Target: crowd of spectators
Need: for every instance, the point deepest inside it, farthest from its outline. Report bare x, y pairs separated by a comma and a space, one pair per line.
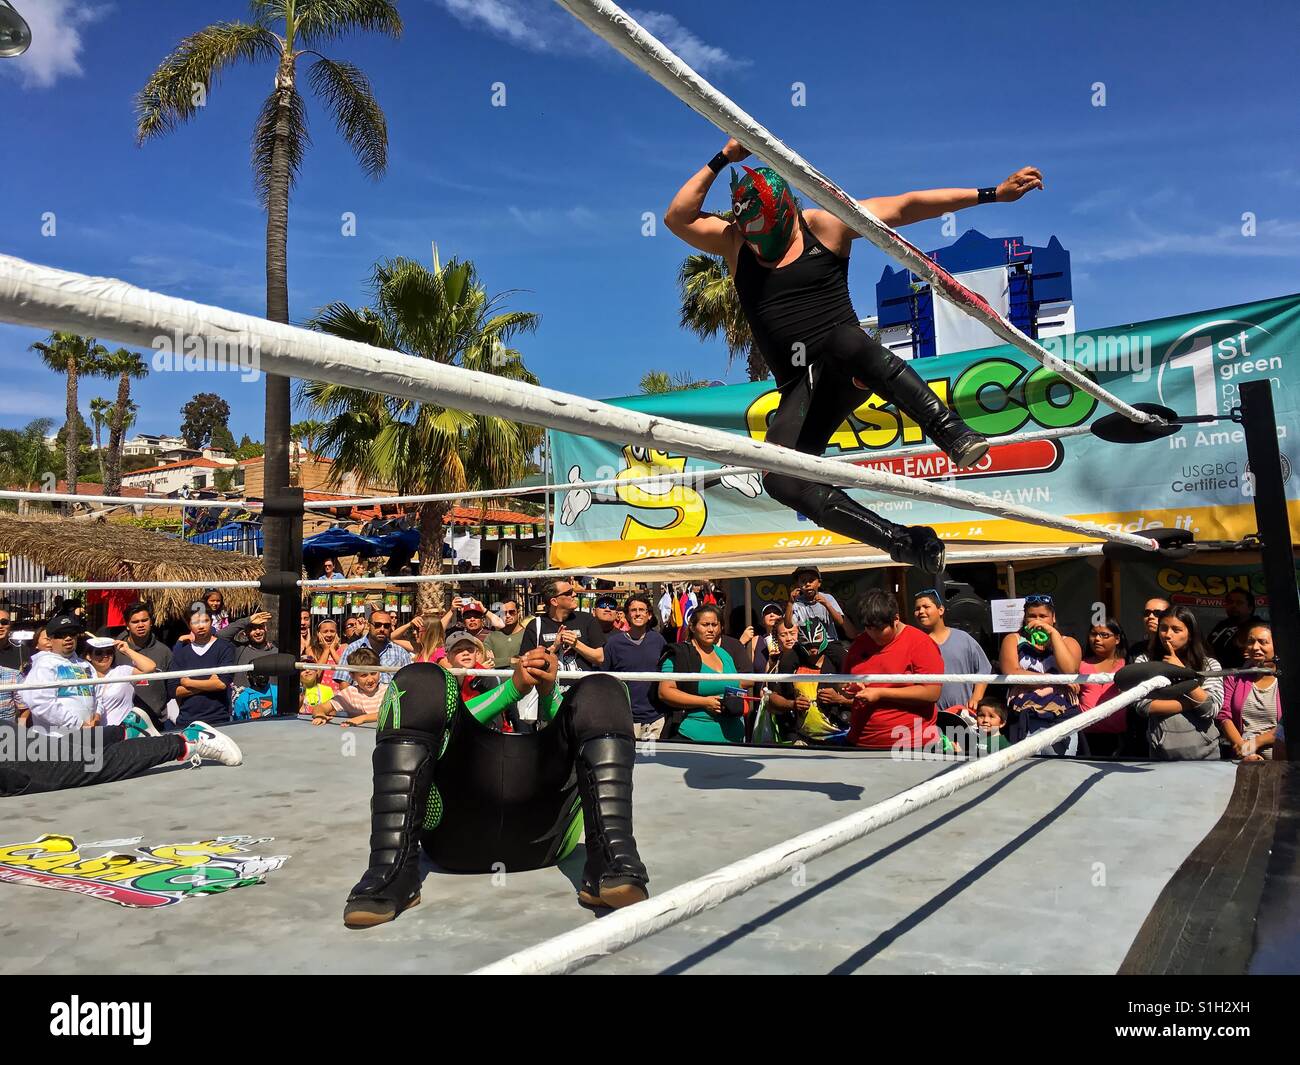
808, 635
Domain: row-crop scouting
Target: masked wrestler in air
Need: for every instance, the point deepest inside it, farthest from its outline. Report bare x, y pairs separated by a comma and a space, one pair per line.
479, 800
791, 273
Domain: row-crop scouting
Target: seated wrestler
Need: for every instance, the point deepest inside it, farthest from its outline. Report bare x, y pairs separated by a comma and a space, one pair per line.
480, 800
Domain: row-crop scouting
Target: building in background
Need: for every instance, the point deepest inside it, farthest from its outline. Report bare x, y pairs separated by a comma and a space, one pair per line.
1030, 286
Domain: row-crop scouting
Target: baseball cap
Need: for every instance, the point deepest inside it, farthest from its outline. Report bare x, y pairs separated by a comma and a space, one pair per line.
459, 637
773, 608
806, 569
607, 601
64, 625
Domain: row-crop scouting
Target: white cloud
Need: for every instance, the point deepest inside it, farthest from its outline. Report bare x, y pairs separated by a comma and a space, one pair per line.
541, 26
1276, 238
56, 46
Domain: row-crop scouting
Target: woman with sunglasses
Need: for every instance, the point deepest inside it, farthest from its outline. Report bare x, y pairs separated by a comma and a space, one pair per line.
1105, 654
1038, 647
113, 702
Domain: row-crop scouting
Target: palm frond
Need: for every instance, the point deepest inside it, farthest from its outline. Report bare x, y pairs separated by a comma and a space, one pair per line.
346, 91
170, 95
326, 20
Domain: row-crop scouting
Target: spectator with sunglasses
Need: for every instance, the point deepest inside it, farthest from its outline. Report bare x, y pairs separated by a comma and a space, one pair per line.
1039, 647
504, 642
379, 640
1151, 611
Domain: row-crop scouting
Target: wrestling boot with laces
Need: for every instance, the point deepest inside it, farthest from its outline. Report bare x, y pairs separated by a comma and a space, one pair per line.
403, 775
614, 875
950, 434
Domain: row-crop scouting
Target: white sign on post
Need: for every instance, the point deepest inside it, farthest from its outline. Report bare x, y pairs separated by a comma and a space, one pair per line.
1008, 614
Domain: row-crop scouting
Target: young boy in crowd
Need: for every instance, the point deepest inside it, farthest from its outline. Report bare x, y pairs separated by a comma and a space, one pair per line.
360, 700
255, 700
990, 720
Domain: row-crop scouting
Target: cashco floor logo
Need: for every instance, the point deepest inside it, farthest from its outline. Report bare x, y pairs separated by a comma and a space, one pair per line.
144, 877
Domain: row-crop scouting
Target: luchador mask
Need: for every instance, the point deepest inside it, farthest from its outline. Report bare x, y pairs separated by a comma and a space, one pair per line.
763, 207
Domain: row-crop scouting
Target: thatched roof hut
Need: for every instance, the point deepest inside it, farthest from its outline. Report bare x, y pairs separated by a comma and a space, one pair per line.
102, 551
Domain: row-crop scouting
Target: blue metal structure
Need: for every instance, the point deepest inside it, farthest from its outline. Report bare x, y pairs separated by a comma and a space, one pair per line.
1036, 276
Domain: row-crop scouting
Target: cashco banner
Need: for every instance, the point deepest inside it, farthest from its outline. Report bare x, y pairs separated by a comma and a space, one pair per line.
1197, 479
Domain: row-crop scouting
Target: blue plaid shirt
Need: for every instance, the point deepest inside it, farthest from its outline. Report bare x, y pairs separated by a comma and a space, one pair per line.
391, 655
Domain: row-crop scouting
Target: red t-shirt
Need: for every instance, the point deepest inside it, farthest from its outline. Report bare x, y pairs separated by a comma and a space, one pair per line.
873, 727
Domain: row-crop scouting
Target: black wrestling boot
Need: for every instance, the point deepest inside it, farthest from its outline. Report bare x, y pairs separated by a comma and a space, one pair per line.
919, 546
614, 875
403, 776
950, 434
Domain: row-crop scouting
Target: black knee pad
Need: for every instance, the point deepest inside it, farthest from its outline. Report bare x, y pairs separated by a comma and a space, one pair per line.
852, 353
419, 702
597, 705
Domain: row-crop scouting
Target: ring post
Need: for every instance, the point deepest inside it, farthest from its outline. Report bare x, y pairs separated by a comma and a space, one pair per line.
286, 504
1260, 426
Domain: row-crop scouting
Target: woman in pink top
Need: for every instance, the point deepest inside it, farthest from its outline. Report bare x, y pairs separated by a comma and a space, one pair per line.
1105, 654
1251, 707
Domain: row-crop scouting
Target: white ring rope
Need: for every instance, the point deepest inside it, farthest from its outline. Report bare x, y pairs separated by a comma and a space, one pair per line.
93, 586
658, 571
136, 678
616, 27
46, 298
1036, 680
135, 501
668, 477
622, 928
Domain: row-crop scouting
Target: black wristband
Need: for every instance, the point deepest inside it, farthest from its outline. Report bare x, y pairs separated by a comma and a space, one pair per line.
989, 195
718, 163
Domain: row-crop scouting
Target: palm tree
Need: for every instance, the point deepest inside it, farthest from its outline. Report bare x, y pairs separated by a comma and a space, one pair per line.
77, 357
100, 409
279, 142
25, 458
445, 315
126, 366
658, 382
305, 434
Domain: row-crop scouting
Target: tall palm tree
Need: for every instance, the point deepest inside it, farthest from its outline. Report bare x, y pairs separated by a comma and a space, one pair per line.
25, 457
100, 410
126, 366
279, 142
76, 357
445, 315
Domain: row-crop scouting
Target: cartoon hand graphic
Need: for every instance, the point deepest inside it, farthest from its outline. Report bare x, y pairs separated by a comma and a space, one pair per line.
576, 501
747, 484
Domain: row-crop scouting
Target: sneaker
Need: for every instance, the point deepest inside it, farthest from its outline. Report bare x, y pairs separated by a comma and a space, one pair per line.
211, 745
137, 725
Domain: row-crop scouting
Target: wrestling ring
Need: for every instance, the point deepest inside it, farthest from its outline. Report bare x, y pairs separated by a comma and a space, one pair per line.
762, 860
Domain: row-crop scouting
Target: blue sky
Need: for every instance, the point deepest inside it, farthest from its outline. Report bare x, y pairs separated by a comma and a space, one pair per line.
546, 194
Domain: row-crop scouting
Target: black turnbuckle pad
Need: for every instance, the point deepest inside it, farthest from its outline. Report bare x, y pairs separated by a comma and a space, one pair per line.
1173, 544
1118, 429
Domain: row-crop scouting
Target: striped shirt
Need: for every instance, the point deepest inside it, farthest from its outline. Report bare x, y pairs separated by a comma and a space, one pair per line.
391, 655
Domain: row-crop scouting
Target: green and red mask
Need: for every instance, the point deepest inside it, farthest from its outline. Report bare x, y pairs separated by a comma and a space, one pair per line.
763, 207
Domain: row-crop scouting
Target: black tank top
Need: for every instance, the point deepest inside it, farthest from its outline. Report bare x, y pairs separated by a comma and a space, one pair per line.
797, 303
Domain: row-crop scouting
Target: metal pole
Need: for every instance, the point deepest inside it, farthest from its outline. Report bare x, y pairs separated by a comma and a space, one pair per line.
1274, 524
1011, 580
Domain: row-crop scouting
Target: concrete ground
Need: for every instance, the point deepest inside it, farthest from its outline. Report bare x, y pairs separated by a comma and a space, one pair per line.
1051, 867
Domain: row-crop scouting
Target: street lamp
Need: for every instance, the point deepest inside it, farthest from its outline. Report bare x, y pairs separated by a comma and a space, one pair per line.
15, 37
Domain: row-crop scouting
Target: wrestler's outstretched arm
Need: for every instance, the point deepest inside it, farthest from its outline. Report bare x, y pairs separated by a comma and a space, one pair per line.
926, 203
